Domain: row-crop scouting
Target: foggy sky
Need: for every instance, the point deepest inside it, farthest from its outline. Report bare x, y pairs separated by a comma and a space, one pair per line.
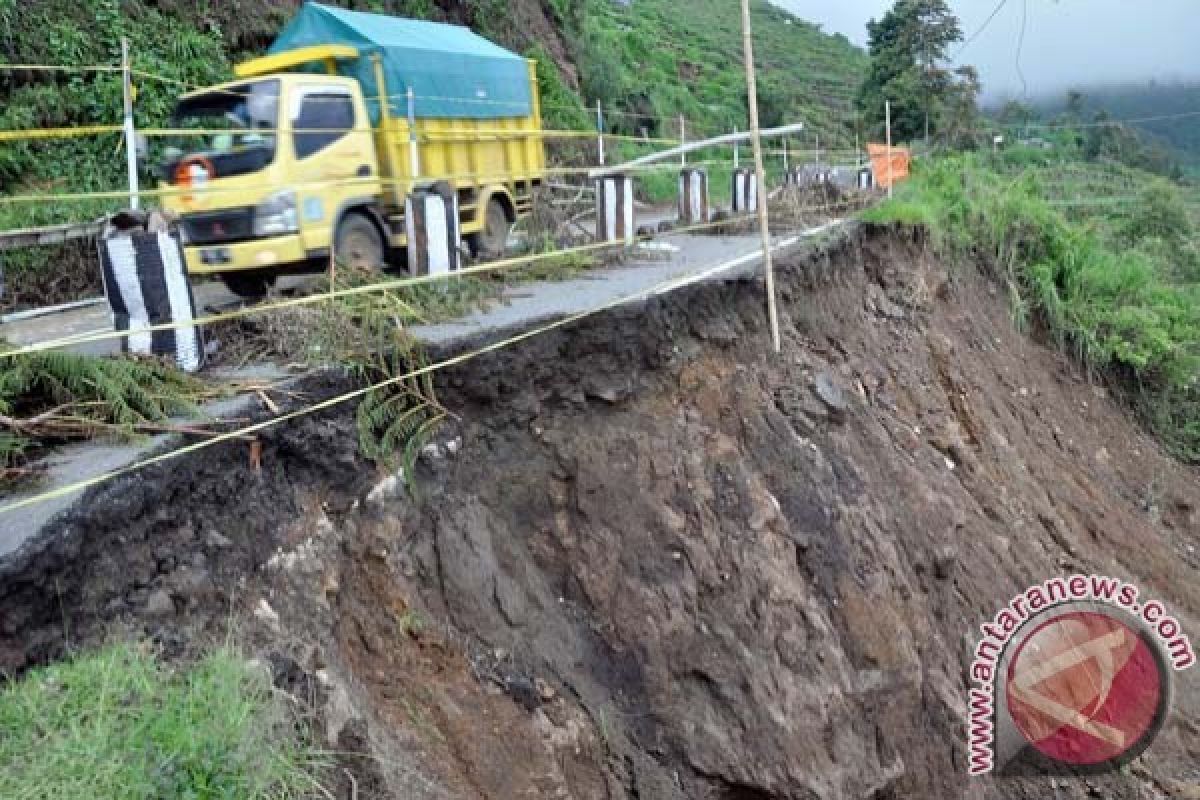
1067, 42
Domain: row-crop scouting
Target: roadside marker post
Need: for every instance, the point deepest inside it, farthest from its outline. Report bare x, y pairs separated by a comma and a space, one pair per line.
614, 210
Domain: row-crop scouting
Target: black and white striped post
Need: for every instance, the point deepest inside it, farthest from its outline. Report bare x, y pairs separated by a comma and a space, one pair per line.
614, 209
434, 235
146, 283
693, 197
745, 191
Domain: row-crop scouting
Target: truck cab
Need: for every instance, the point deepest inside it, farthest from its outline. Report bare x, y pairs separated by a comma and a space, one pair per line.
277, 164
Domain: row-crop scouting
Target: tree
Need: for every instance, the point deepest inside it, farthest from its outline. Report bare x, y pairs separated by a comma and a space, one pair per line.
908, 50
1016, 114
1075, 104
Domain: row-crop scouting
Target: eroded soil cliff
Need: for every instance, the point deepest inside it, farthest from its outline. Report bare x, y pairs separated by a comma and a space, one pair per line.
653, 559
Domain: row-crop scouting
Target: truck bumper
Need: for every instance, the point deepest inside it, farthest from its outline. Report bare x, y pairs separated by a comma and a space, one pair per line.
257, 254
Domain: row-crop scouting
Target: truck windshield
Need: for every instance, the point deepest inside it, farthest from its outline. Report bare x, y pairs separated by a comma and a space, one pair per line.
235, 129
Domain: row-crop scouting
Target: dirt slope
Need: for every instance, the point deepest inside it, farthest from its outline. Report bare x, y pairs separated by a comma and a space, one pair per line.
654, 560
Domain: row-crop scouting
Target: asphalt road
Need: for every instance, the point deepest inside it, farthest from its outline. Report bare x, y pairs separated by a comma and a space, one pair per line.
523, 306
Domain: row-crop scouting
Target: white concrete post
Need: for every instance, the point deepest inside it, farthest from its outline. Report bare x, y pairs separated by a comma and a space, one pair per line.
432, 224
614, 209
745, 191
693, 197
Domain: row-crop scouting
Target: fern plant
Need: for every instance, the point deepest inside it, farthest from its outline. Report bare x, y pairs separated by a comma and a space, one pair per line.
367, 335
56, 396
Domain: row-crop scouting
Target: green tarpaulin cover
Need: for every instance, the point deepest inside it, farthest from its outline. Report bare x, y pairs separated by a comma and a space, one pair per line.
453, 72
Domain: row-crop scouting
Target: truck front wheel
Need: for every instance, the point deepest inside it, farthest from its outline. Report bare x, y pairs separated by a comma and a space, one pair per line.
358, 243
248, 284
493, 239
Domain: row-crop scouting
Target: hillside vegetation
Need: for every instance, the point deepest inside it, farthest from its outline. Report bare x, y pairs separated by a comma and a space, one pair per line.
1101, 259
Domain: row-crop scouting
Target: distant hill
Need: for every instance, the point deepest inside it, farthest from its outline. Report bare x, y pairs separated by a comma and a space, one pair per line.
1153, 100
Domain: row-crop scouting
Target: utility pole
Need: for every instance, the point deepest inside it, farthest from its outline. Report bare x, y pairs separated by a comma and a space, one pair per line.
737, 151
131, 159
764, 224
887, 110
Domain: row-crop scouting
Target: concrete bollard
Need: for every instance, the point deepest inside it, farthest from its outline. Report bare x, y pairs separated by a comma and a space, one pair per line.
745, 191
434, 234
614, 209
146, 284
693, 197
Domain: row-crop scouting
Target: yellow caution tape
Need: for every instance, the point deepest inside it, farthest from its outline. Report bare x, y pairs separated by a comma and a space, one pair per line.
297, 302
57, 133
241, 433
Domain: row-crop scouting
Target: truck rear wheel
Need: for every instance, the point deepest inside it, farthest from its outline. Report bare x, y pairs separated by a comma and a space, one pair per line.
358, 243
493, 239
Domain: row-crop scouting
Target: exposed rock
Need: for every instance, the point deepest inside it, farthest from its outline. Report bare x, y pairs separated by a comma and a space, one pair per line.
159, 604
267, 615
830, 392
945, 562
338, 712
387, 490
217, 541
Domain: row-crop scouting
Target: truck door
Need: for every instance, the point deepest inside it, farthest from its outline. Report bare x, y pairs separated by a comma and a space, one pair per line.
335, 158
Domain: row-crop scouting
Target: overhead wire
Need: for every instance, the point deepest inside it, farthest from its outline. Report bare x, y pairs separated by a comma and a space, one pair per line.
1021, 47
999, 7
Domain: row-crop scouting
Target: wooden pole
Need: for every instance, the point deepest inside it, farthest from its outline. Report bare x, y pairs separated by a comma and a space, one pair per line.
131, 163
764, 224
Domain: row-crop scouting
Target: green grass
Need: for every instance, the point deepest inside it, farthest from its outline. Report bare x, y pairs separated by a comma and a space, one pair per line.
120, 724
1115, 284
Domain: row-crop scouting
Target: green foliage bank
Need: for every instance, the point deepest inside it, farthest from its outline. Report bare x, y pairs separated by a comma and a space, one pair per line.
1118, 285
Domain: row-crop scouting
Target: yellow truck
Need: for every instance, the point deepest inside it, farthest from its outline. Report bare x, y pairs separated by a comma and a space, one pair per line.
316, 145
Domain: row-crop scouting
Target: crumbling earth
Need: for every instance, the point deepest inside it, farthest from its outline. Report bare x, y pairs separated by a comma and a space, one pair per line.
653, 558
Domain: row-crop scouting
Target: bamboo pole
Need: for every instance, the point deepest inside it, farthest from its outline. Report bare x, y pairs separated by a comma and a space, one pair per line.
764, 224
887, 110
691, 147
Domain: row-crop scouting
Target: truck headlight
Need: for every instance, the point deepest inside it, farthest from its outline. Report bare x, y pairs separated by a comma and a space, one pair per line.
276, 215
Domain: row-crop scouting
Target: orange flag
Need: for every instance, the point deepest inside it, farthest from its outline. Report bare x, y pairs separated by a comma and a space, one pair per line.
900, 158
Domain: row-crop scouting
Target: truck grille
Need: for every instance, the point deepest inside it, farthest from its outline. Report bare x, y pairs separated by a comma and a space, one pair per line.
231, 225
